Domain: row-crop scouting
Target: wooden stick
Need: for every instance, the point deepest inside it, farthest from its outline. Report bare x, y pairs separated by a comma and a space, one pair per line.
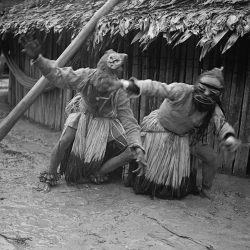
37, 89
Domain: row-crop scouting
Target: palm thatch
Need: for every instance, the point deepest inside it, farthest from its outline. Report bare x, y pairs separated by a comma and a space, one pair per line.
213, 21
45, 15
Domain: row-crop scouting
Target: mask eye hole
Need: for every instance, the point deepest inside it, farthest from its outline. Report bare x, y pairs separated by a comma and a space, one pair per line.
114, 61
202, 87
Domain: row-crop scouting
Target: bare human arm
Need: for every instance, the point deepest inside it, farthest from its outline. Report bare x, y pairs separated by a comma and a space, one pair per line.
64, 77
148, 87
132, 129
225, 131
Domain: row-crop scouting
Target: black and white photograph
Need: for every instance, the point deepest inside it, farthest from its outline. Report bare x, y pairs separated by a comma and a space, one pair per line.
124, 124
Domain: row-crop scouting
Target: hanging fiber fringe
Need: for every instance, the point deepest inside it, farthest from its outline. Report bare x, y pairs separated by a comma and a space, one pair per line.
167, 155
92, 135
75, 105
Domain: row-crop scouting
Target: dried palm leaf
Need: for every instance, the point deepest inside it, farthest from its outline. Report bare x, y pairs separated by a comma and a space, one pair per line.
231, 41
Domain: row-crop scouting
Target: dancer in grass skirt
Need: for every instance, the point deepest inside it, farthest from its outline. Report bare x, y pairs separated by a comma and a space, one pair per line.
100, 123
174, 131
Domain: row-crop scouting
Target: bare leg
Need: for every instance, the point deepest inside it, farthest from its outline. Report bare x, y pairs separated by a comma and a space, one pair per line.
210, 164
116, 162
60, 148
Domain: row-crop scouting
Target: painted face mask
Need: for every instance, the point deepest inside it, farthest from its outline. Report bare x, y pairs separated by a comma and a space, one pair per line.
112, 62
208, 89
110, 67
206, 97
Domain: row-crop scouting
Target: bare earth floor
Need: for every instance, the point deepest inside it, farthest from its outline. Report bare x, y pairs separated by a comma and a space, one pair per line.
108, 216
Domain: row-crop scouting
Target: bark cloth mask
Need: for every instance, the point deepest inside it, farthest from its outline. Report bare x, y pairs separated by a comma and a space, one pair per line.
112, 62
208, 89
109, 67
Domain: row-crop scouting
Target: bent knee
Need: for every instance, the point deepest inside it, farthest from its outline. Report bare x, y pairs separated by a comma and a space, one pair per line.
68, 137
65, 142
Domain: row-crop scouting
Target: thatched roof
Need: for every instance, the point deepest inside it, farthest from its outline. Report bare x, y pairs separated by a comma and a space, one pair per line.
45, 15
8, 3
213, 21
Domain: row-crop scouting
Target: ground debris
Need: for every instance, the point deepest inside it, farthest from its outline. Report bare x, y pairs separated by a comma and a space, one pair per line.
19, 240
209, 247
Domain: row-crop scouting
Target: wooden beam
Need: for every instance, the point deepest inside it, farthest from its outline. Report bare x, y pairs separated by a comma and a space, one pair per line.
31, 96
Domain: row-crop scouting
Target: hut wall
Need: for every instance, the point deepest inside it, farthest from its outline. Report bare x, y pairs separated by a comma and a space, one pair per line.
160, 62
48, 109
181, 63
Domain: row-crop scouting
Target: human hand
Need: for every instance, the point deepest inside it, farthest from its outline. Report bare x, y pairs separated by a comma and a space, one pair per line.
116, 84
130, 86
231, 144
31, 46
140, 159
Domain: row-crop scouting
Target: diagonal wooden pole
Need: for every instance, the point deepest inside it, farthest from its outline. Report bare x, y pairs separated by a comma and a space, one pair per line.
38, 88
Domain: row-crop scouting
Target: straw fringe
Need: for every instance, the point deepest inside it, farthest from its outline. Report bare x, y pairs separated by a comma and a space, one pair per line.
92, 135
89, 147
167, 154
91, 138
75, 105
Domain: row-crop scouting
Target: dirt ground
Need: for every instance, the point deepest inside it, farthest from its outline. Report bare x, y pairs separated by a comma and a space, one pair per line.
108, 216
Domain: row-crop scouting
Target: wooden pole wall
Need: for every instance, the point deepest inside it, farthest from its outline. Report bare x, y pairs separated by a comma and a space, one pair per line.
160, 62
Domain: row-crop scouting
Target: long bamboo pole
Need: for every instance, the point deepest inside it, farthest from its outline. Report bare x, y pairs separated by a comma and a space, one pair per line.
37, 89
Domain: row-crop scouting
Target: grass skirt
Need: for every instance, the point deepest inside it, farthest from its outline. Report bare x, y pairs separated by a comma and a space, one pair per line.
168, 159
88, 150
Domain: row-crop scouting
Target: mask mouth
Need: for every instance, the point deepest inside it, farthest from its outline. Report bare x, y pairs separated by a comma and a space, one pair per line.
204, 99
203, 102
206, 95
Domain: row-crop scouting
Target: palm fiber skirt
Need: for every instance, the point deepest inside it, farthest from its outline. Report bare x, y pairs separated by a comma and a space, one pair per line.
97, 139
168, 161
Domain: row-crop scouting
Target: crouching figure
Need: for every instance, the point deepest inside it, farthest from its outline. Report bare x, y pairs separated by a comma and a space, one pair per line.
100, 123
173, 132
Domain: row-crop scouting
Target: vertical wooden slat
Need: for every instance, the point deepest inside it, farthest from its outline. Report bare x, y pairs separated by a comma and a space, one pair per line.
231, 86
63, 45
145, 75
189, 61
58, 92
34, 72
135, 72
28, 71
55, 93
170, 67
139, 72
176, 64
215, 140
162, 67
49, 104
242, 97
16, 82
228, 62
236, 93
245, 136
13, 90
196, 62
153, 73
182, 63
